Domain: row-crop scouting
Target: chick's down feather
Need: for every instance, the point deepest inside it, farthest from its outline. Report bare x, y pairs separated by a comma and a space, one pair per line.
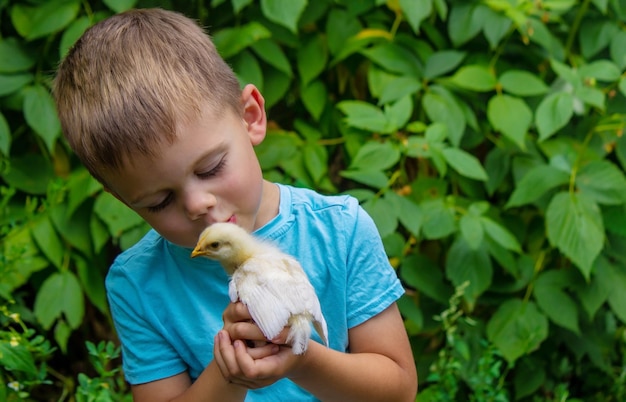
270, 283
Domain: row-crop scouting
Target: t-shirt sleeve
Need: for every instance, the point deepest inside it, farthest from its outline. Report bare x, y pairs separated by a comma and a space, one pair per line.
146, 355
373, 284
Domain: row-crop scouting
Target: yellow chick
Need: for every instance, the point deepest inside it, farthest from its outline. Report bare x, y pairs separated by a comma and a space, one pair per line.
269, 282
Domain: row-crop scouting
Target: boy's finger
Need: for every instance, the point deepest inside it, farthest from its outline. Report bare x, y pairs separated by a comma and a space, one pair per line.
259, 352
235, 312
245, 330
225, 356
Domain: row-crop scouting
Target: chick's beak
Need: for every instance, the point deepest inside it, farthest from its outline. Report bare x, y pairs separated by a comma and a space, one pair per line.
198, 252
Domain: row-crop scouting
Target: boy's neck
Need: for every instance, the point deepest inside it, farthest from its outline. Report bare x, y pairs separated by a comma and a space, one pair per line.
270, 203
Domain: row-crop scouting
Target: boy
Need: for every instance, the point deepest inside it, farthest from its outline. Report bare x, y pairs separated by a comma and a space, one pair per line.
159, 118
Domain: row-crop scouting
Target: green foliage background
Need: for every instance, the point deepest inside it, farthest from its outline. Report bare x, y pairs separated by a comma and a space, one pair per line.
485, 138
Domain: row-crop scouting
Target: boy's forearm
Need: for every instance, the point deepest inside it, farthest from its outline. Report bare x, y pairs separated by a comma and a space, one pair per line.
336, 376
211, 386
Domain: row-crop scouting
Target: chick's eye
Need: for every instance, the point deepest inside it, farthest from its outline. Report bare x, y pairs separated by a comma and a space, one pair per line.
215, 244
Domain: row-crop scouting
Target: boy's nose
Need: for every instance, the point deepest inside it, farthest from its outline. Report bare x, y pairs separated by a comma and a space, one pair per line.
199, 203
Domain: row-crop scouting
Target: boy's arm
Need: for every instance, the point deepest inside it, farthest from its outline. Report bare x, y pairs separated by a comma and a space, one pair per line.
379, 367
210, 385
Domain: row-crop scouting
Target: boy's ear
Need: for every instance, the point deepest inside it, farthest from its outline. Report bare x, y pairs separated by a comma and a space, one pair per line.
254, 115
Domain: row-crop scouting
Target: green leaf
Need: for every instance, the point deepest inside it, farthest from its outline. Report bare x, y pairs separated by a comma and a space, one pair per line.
48, 241
574, 225
72, 33
593, 294
92, 281
554, 301
517, 328
314, 98
376, 155
239, 5
466, 264
399, 112
442, 62
595, 35
120, 5
393, 58
522, 83
117, 216
383, 214
271, 53
511, 116
409, 213
553, 113
369, 177
231, 41
602, 70
564, 71
465, 22
316, 160
603, 182
591, 96
411, 311
535, 183
74, 228
11, 83
441, 107
365, 116
618, 49
472, 230
438, 219
424, 275
465, 164
416, 11
45, 19
617, 296
311, 59
500, 234
340, 26
14, 57
474, 78
62, 333
40, 114
30, 173
60, 294
5, 136
248, 69
17, 358
276, 86
22, 257
495, 27
398, 88
277, 146
284, 12
530, 375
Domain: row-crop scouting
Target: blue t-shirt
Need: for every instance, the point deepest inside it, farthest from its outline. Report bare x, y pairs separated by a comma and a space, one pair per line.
167, 307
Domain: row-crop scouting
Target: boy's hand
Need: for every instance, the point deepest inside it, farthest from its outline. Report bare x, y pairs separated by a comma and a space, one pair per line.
252, 368
239, 325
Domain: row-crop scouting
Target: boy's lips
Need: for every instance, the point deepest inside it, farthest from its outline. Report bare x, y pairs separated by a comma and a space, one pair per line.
232, 219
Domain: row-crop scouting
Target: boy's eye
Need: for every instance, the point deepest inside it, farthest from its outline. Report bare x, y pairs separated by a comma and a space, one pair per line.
214, 171
162, 205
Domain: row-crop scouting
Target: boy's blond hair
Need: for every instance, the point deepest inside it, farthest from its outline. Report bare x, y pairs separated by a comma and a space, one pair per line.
132, 79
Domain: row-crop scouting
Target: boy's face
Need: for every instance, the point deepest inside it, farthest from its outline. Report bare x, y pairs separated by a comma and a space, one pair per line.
209, 174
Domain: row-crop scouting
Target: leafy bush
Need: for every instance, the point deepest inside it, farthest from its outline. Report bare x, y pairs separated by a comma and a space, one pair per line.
484, 137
